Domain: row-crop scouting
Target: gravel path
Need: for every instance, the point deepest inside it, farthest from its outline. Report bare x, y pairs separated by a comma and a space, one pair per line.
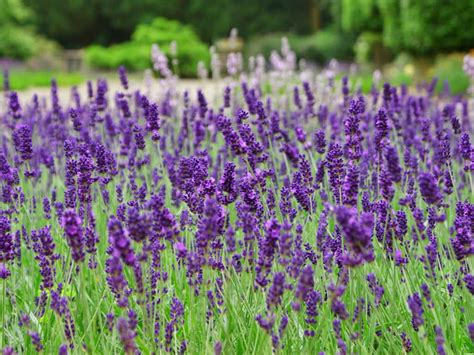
209, 87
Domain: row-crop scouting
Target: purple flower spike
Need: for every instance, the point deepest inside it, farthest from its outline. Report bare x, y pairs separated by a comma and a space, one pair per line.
127, 336
119, 240
14, 105
123, 77
358, 235
22, 138
429, 188
276, 290
439, 341
470, 328
72, 225
416, 308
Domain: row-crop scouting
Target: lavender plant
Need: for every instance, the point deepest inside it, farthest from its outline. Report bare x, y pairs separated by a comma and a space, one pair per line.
287, 213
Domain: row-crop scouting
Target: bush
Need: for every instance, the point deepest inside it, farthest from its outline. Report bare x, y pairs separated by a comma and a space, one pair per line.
329, 44
17, 42
135, 54
18, 39
320, 47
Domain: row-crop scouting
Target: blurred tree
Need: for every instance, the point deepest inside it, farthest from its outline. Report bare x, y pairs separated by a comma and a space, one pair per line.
120, 18
314, 7
77, 23
436, 25
17, 36
211, 20
72, 23
15, 12
419, 27
214, 19
422, 26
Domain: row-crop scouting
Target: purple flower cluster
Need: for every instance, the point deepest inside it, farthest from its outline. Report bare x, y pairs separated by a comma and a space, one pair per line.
73, 232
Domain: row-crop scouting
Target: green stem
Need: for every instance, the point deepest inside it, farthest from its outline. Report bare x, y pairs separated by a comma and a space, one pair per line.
4, 324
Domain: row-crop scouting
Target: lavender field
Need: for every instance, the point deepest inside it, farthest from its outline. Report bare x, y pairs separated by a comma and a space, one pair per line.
288, 213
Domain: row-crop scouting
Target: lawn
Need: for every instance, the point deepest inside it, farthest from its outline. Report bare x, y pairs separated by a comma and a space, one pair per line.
25, 79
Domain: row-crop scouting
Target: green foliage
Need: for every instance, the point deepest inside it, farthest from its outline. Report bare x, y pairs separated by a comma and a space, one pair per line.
320, 47
214, 19
333, 44
437, 25
17, 39
123, 16
358, 16
23, 43
401, 78
135, 54
390, 21
265, 44
14, 12
419, 27
364, 46
370, 51
17, 42
449, 69
78, 23
163, 31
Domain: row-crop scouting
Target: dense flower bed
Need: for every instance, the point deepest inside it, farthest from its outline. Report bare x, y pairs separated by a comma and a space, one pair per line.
298, 216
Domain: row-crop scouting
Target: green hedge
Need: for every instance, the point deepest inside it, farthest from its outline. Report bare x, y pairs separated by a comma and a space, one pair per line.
135, 54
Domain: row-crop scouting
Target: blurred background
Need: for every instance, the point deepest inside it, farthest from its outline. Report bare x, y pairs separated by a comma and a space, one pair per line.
407, 41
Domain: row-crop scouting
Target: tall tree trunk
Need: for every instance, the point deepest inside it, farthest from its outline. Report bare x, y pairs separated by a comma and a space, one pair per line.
314, 7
